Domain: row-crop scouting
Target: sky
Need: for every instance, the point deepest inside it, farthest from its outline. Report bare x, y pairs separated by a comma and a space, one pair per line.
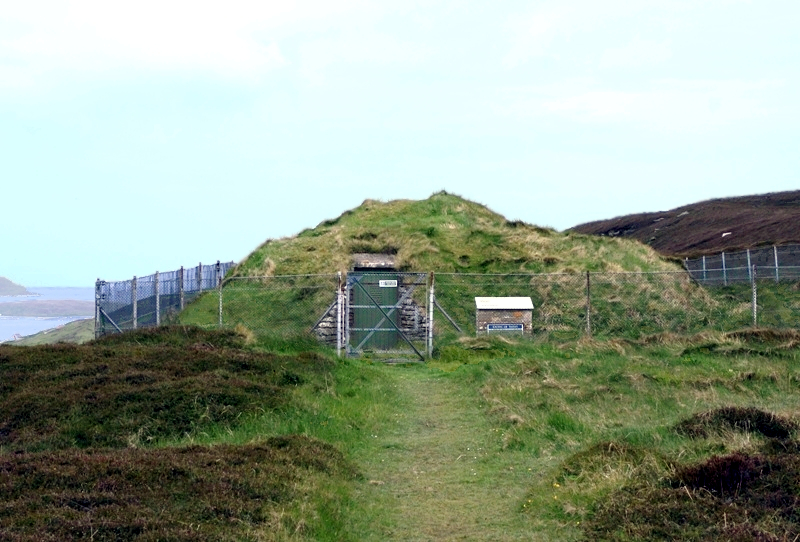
143, 136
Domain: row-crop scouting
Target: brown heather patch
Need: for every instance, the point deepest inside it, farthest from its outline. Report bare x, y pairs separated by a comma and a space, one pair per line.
735, 497
194, 493
134, 388
747, 419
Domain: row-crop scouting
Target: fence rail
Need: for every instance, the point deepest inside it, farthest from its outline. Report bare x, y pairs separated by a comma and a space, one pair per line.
780, 263
148, 301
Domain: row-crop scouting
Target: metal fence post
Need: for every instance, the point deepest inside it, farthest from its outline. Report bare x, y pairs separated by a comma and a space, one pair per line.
775, 252
339, 296
705, 277
749, 266
97, 309
588, 305
200, 277
430, 315
135, 303
346, 315
219, 293
158, 300
724, 271
180, 287
755, 298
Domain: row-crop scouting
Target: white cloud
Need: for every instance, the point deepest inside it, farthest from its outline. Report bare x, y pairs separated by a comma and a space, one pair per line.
533, 34
237, 38
636, 54
668, 104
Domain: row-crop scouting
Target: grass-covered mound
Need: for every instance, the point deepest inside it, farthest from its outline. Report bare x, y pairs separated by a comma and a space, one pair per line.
193, 493
445, 233
139, 387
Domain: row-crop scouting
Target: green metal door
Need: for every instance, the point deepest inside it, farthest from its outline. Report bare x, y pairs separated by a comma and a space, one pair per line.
369, 321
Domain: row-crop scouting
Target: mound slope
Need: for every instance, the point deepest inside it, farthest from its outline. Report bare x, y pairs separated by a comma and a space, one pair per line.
697, 229
445, 233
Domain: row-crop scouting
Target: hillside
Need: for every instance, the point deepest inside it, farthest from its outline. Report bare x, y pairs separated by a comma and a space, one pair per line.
8, 287
710, 227
77, 332
48, 308
444, 233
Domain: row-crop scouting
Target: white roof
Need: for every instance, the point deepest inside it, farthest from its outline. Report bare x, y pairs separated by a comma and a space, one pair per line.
511, 303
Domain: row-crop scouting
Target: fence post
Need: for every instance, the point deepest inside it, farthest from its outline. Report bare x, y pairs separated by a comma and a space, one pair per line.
724, 271
135, 303
97, 309
749, 266
200, 277
755, 298
180, 287
588, 306
705, 277
158, 301
339, 315
430, 315
346, 315
219, 293
775, 252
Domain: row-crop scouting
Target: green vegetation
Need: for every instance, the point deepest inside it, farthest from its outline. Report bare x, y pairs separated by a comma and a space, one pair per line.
257, 432
185, 434
446, 234
76, 332
8, 287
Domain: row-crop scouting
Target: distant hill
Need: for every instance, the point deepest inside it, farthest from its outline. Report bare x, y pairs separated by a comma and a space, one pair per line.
711, 226
8, 287
79, 332
50, 308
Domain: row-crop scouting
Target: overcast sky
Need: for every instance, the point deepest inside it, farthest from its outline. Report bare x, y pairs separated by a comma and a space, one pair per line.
141, 136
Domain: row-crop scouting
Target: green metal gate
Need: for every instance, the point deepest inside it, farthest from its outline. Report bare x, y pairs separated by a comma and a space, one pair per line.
371, 329
387, 312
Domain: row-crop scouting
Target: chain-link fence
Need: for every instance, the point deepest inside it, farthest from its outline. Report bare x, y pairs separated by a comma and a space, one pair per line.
365, 312
780, 263
149, 301
629, 305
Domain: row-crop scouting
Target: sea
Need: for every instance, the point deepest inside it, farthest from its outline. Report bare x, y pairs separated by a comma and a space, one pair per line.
22, 326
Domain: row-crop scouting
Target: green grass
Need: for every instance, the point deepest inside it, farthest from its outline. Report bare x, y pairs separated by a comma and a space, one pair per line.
76, 332
494, 439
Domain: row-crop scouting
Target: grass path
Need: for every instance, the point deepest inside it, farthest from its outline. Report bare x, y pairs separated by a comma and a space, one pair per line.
439, 472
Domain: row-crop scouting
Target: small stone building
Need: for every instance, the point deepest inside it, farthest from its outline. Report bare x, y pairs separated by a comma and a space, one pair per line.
503, 315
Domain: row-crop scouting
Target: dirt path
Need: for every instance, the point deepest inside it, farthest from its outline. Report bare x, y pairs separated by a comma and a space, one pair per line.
439, 473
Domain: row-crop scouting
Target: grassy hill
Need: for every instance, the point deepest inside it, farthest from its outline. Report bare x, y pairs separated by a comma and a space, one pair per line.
49, 308
8, 287
447, 234
76, 332
444, 233
696, 229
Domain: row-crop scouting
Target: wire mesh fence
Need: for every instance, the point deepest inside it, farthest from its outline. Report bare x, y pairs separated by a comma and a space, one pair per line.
148, 301
282, 306
630, 305
403, 312
780, 263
